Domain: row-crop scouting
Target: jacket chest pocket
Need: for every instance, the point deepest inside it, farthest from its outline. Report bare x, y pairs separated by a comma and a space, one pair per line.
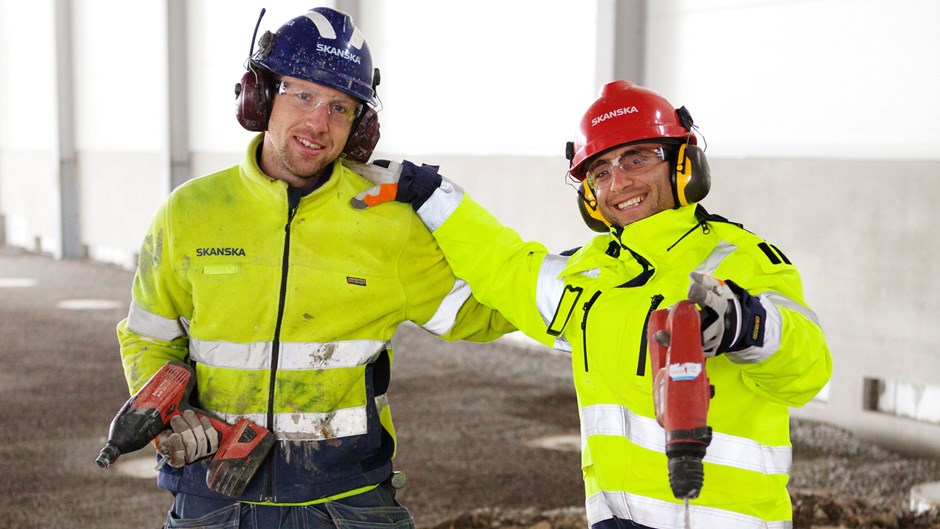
613, 334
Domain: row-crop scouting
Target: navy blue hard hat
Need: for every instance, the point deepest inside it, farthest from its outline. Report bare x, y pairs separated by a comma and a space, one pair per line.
321, 46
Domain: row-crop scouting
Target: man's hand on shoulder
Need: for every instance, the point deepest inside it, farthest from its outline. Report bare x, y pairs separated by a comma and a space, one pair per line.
404, 182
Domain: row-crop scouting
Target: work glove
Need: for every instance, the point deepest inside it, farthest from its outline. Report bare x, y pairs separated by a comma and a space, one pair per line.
404, 182
189, 438
732, 319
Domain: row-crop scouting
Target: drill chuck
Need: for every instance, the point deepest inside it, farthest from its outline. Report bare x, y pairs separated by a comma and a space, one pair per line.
686, 476
109, 454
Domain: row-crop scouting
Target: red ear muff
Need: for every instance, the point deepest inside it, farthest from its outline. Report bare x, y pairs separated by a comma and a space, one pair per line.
364, 136
253, 98
691, 179
587, 206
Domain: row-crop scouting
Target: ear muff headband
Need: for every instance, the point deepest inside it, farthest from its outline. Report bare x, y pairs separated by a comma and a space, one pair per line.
691, 179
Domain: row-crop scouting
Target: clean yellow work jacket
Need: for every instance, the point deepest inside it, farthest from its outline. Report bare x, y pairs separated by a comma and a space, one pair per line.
286, 307
596, 304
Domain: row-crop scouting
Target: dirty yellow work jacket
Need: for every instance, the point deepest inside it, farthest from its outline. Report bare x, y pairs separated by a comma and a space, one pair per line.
596, 304
286, 306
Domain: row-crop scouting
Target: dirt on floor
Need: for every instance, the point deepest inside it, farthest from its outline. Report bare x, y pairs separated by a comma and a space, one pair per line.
488, 433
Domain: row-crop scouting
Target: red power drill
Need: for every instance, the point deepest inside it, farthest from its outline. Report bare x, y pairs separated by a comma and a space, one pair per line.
243, 447
681, 392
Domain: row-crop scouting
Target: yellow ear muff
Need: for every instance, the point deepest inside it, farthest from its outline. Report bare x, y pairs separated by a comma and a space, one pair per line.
682, 176
691, 180
587, 206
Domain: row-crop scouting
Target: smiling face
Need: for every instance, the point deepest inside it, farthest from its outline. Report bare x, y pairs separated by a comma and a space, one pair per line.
631, 182
302, 141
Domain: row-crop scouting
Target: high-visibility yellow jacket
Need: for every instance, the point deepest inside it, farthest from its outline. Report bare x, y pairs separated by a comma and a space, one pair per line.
286, 307
596, 304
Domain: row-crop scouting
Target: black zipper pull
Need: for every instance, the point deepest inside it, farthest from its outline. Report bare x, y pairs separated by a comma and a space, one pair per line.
655, 301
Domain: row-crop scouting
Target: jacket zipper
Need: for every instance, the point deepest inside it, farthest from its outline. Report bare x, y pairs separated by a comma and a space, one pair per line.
587, 308
293, 200
655, 301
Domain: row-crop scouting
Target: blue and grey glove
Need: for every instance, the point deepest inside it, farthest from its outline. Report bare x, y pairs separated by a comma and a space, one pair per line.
732, 319
404, 182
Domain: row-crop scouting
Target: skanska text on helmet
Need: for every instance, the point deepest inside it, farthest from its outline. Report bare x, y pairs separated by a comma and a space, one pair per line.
617, 112
346, 54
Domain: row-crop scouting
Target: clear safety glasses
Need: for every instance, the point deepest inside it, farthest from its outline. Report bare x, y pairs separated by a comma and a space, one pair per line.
632, 162
339, 110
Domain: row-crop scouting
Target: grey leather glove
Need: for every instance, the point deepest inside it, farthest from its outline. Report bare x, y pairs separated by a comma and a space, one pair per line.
732, 319
188, 439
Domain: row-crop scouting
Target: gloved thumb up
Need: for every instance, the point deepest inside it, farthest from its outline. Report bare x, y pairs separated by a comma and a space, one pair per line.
732, 319
188, 439
404, 182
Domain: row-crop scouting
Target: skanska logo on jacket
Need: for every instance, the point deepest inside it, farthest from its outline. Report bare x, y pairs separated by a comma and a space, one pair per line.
617, 112
225, 251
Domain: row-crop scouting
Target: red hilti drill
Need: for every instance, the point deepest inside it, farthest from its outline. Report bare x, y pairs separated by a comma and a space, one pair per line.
243, 447
681, 392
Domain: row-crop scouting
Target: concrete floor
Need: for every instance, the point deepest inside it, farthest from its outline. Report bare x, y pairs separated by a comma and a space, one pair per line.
473, 420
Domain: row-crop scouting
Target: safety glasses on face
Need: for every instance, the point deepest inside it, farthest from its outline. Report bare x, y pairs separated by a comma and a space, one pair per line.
340, 110
633, 162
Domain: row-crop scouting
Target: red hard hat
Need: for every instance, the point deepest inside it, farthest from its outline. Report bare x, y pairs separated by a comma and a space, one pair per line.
625, 113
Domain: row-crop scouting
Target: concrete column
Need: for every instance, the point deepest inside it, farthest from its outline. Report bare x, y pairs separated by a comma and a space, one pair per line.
70, 244
177, 27
621, 41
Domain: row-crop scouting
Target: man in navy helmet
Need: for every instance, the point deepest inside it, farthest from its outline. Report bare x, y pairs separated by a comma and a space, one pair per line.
285, 299
643, 177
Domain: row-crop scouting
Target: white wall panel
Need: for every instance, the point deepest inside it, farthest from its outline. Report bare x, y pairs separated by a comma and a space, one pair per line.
27, 78
486, 77
220, 37
817, 78
120, 75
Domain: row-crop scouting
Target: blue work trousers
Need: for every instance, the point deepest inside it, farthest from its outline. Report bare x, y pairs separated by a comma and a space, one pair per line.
375, 509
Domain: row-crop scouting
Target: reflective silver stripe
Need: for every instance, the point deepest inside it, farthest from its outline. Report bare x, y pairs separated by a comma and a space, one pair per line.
561, 344
652, 512
748, 454
710, 264
612, 419
314, 426
292, 355
311, 426
549, 288
726, 450
446, 316
780, 300
442, 203
149, 324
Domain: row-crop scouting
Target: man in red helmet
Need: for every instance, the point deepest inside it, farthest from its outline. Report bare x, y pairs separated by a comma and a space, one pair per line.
643, 176
285, 300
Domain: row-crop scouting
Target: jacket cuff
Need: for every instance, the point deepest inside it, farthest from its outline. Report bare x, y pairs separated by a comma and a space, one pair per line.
772, 330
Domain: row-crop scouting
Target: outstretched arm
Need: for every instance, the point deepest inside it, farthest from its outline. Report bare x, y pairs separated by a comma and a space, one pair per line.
517, 278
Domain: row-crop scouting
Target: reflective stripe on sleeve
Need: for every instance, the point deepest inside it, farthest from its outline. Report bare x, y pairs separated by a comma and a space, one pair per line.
710, 264
292, 355
651, 512
443, 201
149, 324
446, 316
726, 450
549, 288
773, 327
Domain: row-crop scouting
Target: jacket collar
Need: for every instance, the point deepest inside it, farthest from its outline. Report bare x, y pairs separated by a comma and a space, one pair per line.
651, 238
272, 190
